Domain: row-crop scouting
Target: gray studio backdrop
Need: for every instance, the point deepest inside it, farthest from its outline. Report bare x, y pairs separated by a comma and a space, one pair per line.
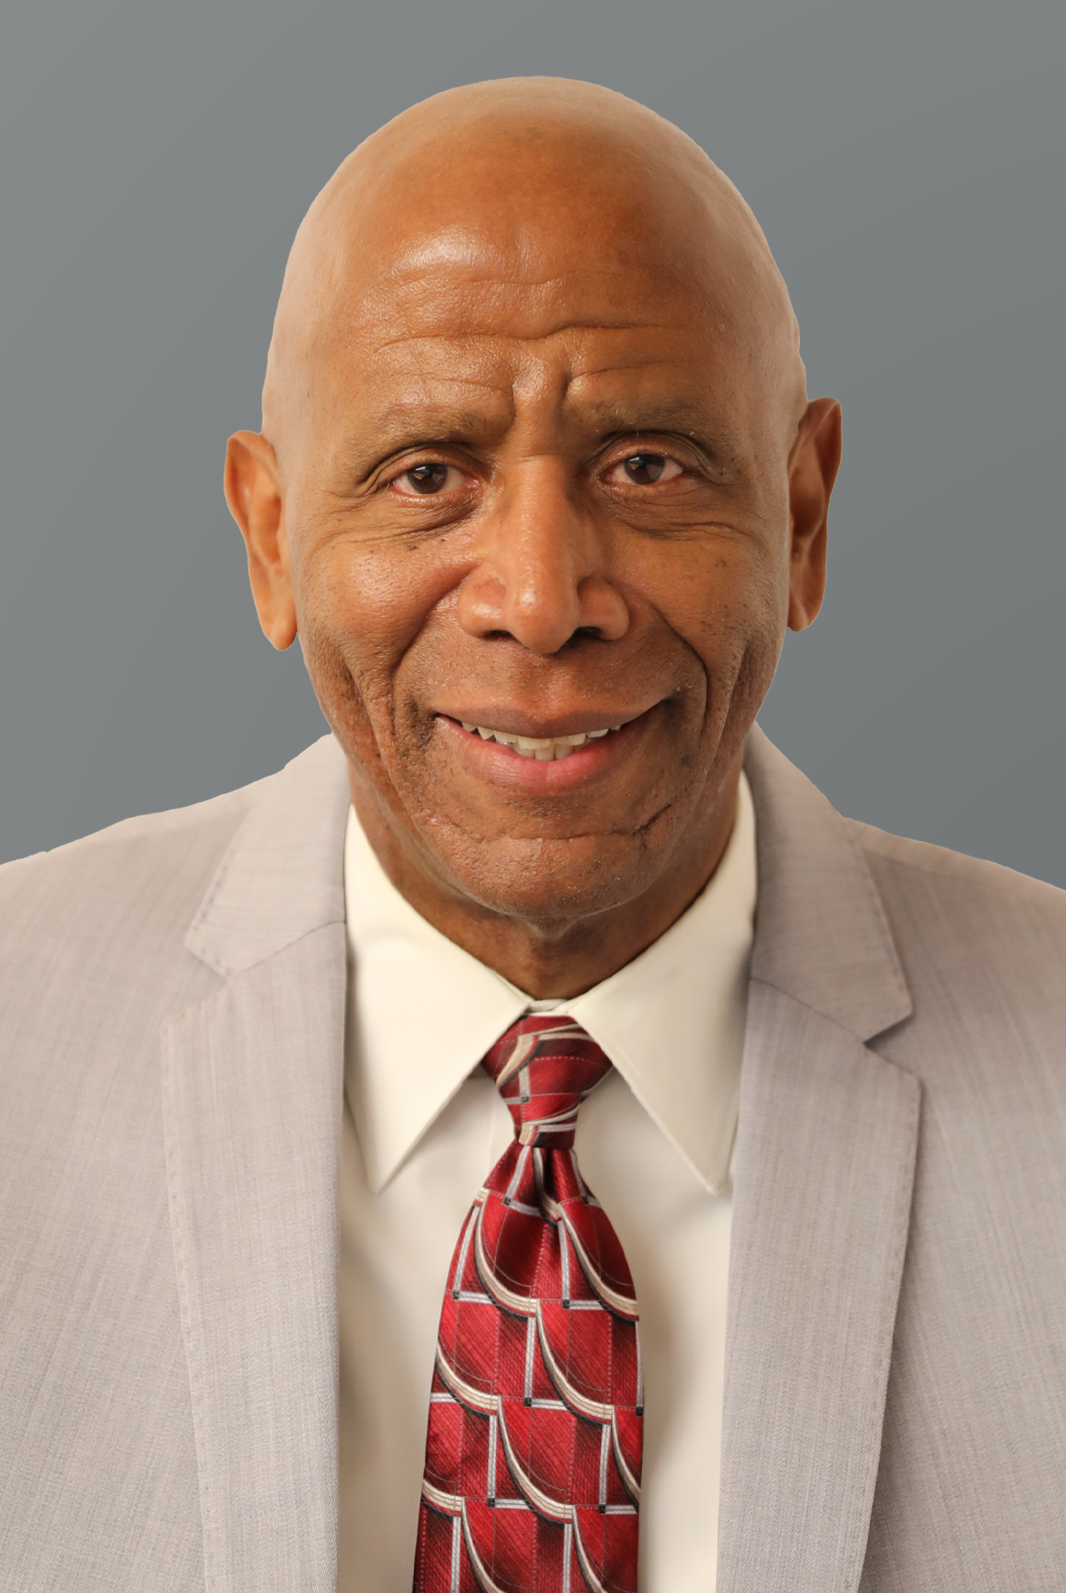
906, 162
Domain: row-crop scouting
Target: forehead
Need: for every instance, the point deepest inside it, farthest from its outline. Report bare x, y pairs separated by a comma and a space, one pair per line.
461, 322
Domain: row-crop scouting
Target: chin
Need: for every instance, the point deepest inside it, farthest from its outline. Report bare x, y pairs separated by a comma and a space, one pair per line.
549, 882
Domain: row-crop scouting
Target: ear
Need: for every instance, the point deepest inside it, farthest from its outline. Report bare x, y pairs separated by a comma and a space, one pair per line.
812, 470
254, 495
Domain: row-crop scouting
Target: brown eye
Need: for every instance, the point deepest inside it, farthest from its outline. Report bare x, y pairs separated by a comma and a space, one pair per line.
644, 470
426, 478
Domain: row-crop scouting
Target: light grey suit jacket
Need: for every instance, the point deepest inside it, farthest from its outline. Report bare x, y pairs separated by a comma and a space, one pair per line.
171, 1032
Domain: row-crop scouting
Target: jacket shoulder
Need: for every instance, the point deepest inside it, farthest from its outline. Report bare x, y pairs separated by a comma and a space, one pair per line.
955, 877
111, 912
155, 865
982, 946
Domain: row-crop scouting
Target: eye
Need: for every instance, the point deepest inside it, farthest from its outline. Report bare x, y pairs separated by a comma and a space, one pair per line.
644, 470
427, 478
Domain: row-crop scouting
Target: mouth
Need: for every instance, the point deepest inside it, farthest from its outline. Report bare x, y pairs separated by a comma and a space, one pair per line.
542, 749
554, 756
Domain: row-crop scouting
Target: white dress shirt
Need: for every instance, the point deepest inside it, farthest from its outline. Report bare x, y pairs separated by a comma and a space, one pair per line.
422, 1126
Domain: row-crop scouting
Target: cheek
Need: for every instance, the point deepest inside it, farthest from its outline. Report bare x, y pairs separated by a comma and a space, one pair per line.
362, 606
728, 600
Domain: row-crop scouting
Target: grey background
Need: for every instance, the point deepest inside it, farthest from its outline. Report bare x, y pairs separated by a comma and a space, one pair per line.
905, 160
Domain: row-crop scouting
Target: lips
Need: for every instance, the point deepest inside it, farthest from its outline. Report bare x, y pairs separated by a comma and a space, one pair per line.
510, 746
544, 749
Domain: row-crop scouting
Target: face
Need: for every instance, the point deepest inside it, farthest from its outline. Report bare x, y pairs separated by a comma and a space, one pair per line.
537, 535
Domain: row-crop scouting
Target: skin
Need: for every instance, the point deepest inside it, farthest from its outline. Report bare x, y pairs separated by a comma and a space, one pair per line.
545, 305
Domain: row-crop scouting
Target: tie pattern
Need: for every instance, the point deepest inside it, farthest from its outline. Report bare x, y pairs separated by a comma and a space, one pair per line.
532, 1477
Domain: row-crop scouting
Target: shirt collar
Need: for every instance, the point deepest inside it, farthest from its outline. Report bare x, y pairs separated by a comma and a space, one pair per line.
422, 1012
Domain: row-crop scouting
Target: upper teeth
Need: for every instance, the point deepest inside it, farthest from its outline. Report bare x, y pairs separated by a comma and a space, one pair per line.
544, 748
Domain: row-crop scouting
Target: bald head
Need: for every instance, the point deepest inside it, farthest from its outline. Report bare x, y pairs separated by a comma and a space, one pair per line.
529, 179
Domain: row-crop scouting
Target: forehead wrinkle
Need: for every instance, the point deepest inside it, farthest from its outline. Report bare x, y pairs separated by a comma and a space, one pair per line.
473, 254
402, 277
457, 340
633, 368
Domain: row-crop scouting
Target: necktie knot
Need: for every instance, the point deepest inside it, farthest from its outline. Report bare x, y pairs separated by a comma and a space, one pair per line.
544, 1067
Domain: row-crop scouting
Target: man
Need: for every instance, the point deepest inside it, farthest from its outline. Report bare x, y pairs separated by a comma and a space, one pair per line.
538, 484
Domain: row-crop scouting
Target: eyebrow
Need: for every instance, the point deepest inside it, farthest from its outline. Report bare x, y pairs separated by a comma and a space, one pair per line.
679, 414
402, 426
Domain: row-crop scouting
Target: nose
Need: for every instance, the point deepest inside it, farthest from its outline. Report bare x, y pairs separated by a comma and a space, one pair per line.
542, 577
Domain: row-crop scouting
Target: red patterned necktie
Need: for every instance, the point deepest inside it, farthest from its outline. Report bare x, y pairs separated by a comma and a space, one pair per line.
532, 1479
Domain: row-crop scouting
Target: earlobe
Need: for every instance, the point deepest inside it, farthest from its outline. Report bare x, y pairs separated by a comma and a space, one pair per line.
812, 471
255, 498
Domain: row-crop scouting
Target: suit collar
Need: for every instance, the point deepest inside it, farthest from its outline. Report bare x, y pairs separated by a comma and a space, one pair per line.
821, 934
282, 876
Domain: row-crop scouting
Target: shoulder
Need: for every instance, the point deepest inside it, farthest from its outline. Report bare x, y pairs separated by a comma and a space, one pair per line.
93, 956
110, 913
983, 948
931, 888
115, 883
95, 953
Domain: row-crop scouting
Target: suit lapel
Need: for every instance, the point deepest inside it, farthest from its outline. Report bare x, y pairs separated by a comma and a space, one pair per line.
252, 1103
824, 1167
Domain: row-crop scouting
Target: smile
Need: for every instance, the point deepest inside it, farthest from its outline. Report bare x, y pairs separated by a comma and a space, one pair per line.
545, 749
